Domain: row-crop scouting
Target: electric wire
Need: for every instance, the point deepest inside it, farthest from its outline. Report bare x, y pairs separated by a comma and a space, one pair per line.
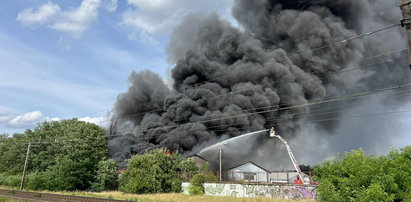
307, 78
341, 118
310, 113
317, 49
297, 106
339, 98
277, 119
313, 50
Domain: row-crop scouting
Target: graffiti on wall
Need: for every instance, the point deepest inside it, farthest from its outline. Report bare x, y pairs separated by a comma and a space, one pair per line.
253, 190
215, 190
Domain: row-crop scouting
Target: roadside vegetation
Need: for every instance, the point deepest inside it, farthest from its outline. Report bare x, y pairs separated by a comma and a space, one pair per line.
357, 177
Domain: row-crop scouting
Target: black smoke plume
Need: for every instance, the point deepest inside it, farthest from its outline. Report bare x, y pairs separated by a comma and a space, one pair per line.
249, 71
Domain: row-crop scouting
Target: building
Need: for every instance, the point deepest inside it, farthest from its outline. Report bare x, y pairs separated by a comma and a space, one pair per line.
286, 177
198, 160
249, 172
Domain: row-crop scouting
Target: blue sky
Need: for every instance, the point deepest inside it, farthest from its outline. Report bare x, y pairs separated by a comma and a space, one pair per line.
65, 59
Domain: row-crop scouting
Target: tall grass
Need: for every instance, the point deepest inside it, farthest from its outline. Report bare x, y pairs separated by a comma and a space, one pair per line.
10, 180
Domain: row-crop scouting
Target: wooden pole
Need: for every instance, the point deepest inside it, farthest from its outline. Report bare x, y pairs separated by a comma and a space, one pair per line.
25, 166
406, 23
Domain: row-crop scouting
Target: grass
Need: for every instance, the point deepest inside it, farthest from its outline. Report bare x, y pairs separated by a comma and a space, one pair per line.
9, 199
163, 197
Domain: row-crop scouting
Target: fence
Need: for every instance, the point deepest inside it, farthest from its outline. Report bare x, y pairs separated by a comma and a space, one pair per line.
275, 177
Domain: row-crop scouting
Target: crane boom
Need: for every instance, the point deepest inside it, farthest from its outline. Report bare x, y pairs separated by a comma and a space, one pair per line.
290, 153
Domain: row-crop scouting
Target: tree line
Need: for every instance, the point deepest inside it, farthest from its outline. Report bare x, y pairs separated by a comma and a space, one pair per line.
73, 155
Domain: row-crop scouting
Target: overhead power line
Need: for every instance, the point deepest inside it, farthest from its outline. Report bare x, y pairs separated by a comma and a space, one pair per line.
307, 78
316, 49
341, 118
317, 112
96, 112
277, 119
303, 53
339, 98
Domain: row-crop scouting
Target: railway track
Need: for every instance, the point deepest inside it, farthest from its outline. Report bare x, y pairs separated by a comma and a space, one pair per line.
36, 196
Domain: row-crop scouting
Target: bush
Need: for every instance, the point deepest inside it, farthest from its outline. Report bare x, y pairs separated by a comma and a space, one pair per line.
193, 190
10, 180
155, 172
196, 184
140, 181
106, 178
38, 181
357, 177
176, 185
374, 193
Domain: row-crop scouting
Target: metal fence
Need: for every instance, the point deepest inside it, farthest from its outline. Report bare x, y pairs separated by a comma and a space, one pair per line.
275, 177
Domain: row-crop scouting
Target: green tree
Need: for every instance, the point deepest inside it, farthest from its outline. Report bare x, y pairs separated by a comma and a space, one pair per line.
398, 166
106, 178
65, 152
155, 172
12, 153
357, 177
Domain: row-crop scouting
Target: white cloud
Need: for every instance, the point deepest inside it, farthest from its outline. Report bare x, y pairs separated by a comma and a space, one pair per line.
73, 21
48, 119
78, 20
160, 16
26, 119
43, 14
101, 121
111, 5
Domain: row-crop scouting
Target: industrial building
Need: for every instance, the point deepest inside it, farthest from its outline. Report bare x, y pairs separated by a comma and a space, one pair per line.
198, 160
251, 172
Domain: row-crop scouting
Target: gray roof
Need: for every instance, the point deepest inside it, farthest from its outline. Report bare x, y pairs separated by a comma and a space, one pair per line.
251, 163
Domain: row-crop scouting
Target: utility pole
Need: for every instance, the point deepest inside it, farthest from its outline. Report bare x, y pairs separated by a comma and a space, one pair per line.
221, 150
220, 165
113, 124
25, 166
406, 23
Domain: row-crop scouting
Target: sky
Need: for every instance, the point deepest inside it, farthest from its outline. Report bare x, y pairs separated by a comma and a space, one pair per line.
70, 59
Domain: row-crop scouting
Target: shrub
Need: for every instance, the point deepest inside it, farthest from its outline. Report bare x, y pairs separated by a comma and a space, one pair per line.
176, 185
192, 190
155, 172
38, 181
106, 178
374, 193
196, 184
357, 177
10, 180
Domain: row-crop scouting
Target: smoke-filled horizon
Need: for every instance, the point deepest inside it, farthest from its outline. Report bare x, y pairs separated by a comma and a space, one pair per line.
226, 71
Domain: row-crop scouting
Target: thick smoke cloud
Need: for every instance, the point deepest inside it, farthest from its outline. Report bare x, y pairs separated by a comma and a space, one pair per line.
224, 71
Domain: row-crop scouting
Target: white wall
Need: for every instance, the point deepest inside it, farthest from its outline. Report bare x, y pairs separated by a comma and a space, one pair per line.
253, 190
